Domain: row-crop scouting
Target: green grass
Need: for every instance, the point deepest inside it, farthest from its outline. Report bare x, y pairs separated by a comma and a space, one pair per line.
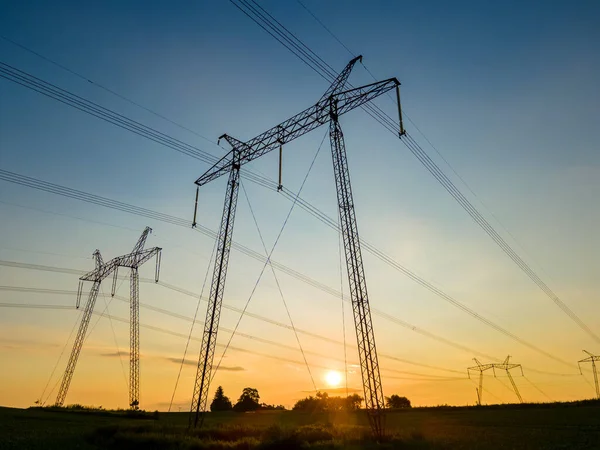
554, 426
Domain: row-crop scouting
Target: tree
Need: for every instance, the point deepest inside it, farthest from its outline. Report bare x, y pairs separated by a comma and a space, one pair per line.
323, 402
353, 402
396, 402
248, 401
221, 402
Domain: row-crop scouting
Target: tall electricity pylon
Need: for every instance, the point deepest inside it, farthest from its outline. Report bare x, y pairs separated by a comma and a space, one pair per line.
102, 271
96, 276
591, 359
336, 101
134, 260
505, 365
481, 368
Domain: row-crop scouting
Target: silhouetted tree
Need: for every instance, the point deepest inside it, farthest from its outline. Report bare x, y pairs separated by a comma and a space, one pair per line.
323, 402
220, 402
353, 402
396, 402
248, 401
265, 406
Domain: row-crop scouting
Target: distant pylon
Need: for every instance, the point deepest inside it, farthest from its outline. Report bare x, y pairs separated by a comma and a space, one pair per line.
505, 365
591, 359
134, 259
481, 368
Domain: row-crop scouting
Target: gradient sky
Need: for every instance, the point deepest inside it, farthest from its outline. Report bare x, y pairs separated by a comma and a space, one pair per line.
506, 91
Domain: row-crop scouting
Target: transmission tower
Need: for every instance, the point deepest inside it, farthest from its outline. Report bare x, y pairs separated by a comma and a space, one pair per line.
481, 368
505, 365
591, 359
134, 260
336, 101
102, 271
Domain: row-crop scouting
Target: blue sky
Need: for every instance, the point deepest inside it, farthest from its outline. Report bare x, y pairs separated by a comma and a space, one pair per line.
507, 92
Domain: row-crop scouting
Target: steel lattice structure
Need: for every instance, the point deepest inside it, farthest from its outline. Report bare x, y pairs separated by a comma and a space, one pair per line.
213, 312
505, 365
591, 359
335, 102
133, 260
481, 368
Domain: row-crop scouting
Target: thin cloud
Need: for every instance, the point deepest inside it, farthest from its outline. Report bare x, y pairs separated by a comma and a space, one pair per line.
114, 354
189, 362
340, 390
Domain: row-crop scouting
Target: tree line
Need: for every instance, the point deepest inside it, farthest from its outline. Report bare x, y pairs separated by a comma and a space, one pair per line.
249, 400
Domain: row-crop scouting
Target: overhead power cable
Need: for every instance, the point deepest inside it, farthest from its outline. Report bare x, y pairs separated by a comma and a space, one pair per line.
141, 129
109, 203
226, 306
183, 317
104, 88
387, 122
105, 314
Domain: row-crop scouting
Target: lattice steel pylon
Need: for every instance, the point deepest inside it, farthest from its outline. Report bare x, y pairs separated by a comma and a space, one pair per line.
336, 101
134, 260
591, 359
505, 365
96, 276
481, 368
102, 271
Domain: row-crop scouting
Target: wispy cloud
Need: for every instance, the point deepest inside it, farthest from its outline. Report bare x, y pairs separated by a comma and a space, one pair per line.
189, 362
340, 390
115, 354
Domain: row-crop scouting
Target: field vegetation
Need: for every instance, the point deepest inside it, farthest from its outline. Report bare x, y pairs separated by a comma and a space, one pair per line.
531, 426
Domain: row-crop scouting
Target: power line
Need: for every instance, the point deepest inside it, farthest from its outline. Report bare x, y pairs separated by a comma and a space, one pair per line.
105, 314
273, 249
187, 344
191, 151
179, 316
385, 120
114, 204
326, 28
110, 91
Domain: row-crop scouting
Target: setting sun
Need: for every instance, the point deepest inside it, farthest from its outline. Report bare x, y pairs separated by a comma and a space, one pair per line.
333, 378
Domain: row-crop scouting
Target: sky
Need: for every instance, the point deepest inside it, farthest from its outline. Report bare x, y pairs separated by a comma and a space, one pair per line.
502, 96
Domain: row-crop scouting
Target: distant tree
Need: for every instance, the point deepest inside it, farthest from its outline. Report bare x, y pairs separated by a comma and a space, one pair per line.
220, 402
265, 406
323, 402
396, 402
353, 402
248, 401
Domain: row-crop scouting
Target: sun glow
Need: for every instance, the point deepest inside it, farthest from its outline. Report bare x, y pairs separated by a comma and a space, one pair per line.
333, 378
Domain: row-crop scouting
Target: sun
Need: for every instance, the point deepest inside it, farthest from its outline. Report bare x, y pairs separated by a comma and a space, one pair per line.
333, 378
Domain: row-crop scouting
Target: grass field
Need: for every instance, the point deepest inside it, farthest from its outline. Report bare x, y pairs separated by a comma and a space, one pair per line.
555, 426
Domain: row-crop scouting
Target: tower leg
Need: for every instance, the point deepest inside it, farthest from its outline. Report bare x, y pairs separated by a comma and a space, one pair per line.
374, 400
480, 391
81, 333
514, 386
134, 339
596, 378
213, 311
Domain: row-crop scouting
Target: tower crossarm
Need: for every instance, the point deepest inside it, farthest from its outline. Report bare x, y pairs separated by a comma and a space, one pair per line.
481, 368
141, 241
299, 125
340, 81
101, 272
135, 260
